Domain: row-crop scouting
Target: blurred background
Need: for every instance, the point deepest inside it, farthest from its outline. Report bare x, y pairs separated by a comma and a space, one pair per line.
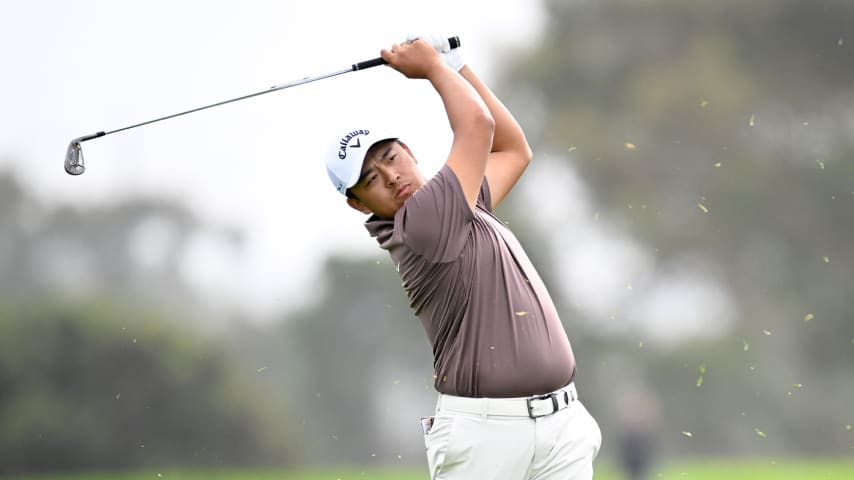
201, 297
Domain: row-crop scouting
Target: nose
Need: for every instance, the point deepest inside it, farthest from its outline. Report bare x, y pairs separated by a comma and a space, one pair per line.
391, 176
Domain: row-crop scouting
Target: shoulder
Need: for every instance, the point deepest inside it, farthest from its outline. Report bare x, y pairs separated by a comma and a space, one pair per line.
447, 181
435, 221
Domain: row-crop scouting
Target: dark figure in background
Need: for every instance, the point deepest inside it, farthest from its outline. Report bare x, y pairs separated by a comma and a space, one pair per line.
639, 418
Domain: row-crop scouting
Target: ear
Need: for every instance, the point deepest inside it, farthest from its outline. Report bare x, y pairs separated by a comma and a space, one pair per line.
358, 205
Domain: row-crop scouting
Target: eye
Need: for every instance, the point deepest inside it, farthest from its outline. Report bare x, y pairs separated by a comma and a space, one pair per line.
391, 158
370, 180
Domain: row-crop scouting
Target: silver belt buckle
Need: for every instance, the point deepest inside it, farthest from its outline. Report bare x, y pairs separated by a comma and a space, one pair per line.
548, 396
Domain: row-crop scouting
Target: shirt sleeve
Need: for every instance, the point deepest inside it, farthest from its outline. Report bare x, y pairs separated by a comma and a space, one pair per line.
484, 198
436, 221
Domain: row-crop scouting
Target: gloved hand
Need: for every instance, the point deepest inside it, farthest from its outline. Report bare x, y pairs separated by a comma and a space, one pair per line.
453, 57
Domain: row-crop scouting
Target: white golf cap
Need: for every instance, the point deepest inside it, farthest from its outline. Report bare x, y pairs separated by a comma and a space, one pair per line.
347, 153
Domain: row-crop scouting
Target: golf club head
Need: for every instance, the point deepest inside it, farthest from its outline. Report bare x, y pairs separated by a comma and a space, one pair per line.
74, 155
74, 159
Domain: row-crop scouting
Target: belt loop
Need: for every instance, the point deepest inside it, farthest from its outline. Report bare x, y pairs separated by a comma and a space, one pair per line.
484, 408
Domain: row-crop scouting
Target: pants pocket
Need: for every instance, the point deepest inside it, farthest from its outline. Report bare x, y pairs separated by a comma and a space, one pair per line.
436, 441
427, 425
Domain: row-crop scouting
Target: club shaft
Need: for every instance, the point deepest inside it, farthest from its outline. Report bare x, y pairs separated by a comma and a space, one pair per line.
374, 62
74, 154
244, 97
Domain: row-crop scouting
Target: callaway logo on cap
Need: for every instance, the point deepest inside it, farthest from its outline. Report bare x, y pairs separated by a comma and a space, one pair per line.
344, 161
345, 142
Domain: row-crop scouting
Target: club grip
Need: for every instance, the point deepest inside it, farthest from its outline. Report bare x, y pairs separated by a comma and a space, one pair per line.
375, 62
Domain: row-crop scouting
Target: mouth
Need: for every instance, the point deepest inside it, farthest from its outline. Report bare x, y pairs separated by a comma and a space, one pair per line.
403, 191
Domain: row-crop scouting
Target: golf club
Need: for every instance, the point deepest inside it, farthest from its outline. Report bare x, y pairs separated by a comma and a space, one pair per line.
74, 155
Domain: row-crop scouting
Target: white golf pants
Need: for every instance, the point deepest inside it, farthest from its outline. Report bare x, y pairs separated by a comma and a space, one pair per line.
497, 439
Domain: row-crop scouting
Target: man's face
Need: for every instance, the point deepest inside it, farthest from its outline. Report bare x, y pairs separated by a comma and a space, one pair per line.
390, 175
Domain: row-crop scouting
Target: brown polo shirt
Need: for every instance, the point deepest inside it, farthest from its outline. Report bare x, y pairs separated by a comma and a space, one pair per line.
494, 329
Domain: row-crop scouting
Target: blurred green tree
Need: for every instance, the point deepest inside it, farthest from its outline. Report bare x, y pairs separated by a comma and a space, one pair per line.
717, 131
110, 376
356, 366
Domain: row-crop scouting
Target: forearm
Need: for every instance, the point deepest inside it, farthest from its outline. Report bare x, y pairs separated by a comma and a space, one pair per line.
472, 125
508, 135
466, 108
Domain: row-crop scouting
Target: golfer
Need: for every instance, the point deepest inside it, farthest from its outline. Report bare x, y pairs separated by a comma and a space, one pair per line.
504, 368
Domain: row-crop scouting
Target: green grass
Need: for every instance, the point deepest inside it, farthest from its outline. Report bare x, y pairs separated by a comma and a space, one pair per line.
841, 469
342, 473
836, 469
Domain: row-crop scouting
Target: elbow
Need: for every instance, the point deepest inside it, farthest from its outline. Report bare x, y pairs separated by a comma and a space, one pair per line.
485, 124
478, 126
525, 153
522, 152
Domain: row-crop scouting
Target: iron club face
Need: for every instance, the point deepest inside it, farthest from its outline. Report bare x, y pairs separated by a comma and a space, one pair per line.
74, 155
74, 159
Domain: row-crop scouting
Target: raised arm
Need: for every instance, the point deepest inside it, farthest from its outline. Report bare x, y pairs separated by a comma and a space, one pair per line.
510, 153
470, 118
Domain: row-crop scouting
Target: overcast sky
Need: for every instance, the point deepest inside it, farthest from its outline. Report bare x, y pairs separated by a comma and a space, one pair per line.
75, 68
